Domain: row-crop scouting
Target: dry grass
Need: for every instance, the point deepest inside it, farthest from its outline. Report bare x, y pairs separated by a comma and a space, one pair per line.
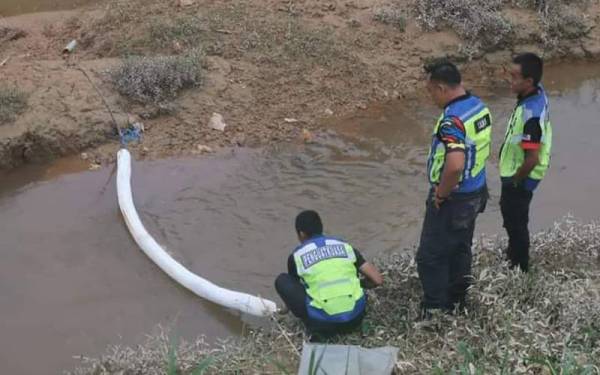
546, 322
12, 103
10, 33
232, 30
484, 28
478, 22
392, 14
561, 20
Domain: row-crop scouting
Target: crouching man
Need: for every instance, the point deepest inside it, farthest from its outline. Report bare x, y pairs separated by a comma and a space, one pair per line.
322, 286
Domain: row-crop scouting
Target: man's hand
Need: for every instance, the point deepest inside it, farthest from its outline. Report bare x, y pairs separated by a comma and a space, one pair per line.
532, 158
437, 199
453, 168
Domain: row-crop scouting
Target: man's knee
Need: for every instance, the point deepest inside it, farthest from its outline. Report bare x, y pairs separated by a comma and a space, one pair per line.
431, 248
282, 283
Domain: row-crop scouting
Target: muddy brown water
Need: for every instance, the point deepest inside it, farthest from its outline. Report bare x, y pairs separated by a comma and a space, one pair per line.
72, 281
14, 7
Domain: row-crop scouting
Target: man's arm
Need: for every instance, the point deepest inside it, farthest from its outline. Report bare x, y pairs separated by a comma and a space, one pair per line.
452, 134
373, 277
531, 143
532, 158
453, 168
291, 266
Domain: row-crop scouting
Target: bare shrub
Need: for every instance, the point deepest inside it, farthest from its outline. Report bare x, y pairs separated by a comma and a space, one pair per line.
479, 22
154, 80
562, 22
560, 19
12, 103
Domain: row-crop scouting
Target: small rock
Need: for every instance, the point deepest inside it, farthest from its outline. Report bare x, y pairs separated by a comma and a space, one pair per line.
177, 47
307, 136
592, 50
328, 7
184, 3
361, 106
328, 112
145, 150
239, 140
94, 166
216, 122
204, 149
139, 126
354, 23
132, 119
498, 58
84, 156
290, 120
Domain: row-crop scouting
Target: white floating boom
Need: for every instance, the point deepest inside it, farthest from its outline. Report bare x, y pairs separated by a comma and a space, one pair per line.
243, 302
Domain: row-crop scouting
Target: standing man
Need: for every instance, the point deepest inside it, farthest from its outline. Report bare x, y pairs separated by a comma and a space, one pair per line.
456, 168
322, 286
525, 154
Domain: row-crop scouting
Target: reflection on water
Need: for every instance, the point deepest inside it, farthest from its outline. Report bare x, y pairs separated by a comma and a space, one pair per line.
72, 280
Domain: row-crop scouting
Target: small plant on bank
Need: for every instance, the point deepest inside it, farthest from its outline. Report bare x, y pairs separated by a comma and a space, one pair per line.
174, 368
560, 19
10, 33
12, 103
156, 80
391, 15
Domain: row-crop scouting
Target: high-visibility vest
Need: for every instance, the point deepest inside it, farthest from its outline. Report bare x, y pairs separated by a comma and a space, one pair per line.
477, 120
327, 268
512, 154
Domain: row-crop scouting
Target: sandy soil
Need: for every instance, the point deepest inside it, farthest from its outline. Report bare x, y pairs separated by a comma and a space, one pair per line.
267, 61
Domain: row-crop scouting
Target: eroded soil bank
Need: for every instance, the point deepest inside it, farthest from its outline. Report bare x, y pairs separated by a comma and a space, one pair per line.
264, 62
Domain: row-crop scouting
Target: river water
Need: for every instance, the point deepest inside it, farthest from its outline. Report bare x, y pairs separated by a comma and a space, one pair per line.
14, 7
72, 281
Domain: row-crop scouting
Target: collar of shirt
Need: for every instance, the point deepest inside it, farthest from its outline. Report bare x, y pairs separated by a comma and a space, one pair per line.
458, 99
535, 92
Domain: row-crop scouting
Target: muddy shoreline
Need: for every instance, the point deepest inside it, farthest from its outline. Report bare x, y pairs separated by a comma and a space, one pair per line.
339, 61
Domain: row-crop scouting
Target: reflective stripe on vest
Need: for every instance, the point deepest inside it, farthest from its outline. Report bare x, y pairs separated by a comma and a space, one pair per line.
327, 267
512, 154
477, 121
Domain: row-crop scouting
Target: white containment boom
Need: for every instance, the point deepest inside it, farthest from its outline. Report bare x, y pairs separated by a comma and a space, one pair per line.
234, 300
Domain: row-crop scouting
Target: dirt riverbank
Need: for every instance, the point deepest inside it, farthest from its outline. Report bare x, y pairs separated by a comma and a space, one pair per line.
273, 69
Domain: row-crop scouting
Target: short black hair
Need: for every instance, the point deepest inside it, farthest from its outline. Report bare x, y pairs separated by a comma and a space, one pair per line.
309, 222
443, 71
532, 66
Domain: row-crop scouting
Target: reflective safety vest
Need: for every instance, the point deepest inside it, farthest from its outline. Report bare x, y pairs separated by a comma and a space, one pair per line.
327, 268
512, 154
477, 120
